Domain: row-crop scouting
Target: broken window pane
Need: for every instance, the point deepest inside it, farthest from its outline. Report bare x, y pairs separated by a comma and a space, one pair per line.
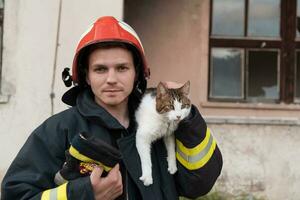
263, 75
264, 18
226, 73
228, 18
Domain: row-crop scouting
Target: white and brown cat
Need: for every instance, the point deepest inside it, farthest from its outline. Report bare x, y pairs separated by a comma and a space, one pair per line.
158, 115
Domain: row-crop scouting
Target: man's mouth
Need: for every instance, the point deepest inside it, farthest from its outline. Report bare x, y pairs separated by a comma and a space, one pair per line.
113, 91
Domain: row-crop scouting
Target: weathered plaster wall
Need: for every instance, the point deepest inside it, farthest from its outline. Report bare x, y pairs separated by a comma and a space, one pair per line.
261, 160
33, 61
28, 51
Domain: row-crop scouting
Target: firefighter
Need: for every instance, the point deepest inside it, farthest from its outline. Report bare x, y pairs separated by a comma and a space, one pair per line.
109, 74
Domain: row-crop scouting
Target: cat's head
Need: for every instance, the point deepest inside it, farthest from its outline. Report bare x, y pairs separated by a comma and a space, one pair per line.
173, 103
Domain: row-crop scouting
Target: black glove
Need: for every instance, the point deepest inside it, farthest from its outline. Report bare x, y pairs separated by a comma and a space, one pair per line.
85, 152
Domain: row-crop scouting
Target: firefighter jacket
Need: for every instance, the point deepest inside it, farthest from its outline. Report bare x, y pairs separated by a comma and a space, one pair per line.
31, 174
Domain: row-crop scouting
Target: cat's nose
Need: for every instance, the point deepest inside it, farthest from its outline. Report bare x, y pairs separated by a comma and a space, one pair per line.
178, 117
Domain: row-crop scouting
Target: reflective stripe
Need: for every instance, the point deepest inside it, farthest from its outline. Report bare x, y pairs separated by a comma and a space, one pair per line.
53, 194
76, 154
58, 193
197, 157
62, 192
46, 195
196, 149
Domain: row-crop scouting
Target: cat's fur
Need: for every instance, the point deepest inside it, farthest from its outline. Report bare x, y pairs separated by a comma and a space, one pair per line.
157, 117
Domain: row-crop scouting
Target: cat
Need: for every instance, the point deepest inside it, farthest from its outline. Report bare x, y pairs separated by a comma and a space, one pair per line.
157, 116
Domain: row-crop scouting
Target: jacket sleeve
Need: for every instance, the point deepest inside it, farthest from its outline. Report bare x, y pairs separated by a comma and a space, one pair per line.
199, 159
31, 174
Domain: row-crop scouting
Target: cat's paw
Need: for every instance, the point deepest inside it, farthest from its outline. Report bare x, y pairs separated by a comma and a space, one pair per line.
147, 180
172, 169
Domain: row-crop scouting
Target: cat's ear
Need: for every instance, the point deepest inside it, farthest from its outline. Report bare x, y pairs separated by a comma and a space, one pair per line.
161, 89
185, 89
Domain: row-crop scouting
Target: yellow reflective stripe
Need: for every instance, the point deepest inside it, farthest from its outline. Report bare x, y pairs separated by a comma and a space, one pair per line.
53, 194
198, 156
58, 193
195, 150
76, 154
46, 195
200, 163
62, 192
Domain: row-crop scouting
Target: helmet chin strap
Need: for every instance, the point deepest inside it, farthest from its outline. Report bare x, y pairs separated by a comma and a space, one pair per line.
66, 77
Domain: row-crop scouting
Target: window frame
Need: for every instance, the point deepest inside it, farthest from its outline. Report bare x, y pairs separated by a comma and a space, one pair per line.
287, 44
296, 100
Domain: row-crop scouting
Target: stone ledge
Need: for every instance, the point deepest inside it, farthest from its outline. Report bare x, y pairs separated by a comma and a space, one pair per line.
252, 120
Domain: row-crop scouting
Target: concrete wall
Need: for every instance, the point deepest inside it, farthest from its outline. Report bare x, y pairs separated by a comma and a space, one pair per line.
39, 41
259, 142
260, 160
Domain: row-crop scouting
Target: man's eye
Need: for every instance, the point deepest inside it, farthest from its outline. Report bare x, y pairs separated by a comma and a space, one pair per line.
122, 68
100, 69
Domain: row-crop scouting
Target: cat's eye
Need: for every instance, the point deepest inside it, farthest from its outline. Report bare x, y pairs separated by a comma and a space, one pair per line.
169, 107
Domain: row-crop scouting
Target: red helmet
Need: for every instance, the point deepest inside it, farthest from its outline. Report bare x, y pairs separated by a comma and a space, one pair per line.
109, 29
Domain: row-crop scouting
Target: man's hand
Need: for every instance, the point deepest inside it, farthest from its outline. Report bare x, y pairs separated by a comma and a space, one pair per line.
109, 187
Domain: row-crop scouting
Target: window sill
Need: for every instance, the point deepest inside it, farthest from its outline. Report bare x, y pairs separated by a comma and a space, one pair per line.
4, 99
252, 106
235, 116
287, 121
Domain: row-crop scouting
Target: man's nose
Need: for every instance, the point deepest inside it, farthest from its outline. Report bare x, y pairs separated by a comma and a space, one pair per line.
111, 77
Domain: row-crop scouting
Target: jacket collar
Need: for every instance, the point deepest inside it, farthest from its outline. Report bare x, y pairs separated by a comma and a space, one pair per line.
90, 109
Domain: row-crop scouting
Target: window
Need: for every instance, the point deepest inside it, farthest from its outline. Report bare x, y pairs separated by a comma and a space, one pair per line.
255, 51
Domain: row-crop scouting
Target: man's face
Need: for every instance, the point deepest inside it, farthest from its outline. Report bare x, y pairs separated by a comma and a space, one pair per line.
111, 75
